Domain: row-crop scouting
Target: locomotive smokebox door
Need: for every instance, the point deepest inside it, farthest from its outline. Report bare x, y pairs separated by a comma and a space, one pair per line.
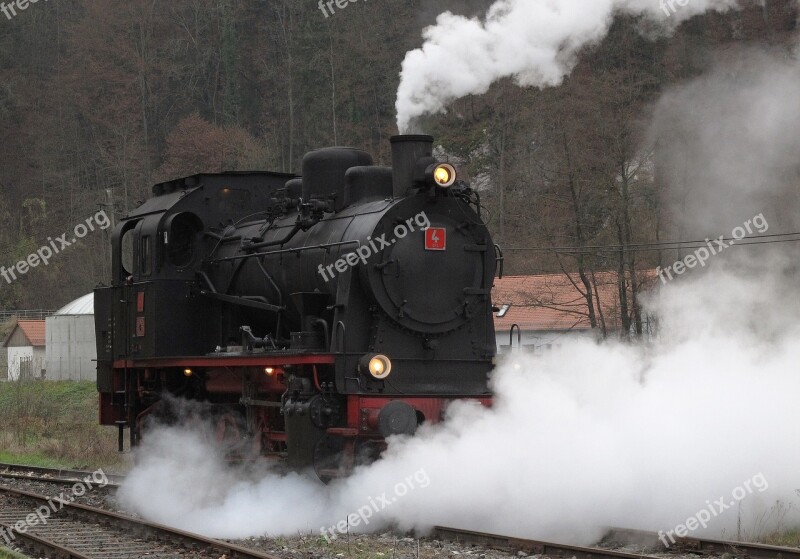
428, 280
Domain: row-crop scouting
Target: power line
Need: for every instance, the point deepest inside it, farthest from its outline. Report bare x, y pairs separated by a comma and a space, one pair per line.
718, 243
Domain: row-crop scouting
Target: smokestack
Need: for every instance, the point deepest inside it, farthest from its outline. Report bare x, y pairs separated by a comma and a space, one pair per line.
406, 151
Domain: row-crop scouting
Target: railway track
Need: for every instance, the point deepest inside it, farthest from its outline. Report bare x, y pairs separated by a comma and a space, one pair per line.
52, 528
617, 537
531, 547
119, 536
699, 546
52, 475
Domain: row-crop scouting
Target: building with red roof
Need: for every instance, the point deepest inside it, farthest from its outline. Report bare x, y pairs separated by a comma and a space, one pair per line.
548, 308
26, 349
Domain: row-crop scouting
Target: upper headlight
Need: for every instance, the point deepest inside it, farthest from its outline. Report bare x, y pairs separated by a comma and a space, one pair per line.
444, 175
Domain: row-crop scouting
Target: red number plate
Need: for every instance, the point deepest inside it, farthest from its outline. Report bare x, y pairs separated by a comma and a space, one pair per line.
435, 238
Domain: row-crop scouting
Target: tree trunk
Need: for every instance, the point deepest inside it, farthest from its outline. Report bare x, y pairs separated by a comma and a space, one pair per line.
580, 238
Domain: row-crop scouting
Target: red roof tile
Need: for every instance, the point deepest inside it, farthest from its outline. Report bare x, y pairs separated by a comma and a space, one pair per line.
34, 331
553, 302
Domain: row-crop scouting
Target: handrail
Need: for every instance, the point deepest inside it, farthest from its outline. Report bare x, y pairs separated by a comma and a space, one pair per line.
36, 314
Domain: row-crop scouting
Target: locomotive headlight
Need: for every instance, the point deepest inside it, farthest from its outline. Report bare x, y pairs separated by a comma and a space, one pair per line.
188, 372
444, 175
376, 365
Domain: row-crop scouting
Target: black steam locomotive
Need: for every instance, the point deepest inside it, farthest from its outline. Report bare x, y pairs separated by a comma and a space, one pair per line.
314, 316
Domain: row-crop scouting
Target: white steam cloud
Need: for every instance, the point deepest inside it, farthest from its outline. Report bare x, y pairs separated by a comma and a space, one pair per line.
728, 141
583, 437
534, 41
588, 435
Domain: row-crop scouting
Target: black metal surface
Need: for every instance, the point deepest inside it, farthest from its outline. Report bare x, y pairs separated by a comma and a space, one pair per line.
397, 418
324, 171
339, 267
407, 150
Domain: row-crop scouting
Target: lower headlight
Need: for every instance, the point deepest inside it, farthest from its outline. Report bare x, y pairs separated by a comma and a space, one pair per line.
376, 365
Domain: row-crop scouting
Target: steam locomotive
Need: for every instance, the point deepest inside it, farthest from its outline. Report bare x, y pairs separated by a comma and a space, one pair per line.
314, 316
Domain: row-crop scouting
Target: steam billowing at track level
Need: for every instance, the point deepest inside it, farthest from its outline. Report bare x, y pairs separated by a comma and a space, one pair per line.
583, 437
534, 41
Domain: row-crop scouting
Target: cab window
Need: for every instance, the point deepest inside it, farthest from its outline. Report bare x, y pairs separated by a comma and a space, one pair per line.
181, 238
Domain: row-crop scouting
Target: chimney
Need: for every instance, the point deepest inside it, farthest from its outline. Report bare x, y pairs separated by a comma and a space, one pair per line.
406, 151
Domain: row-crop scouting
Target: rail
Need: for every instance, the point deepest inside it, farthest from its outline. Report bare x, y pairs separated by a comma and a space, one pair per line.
51, 475
78, 531
550, 549
694, 545
620, 537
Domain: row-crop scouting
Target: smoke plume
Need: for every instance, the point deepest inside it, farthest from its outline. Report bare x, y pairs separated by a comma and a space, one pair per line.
728, 141
534, 41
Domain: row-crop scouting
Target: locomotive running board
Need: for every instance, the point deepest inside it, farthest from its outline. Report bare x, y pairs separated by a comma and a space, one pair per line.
263, 360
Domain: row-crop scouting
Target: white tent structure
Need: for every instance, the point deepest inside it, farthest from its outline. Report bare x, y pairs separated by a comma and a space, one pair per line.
71, 349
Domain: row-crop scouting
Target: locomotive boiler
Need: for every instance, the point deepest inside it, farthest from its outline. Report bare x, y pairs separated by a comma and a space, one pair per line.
313, 316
